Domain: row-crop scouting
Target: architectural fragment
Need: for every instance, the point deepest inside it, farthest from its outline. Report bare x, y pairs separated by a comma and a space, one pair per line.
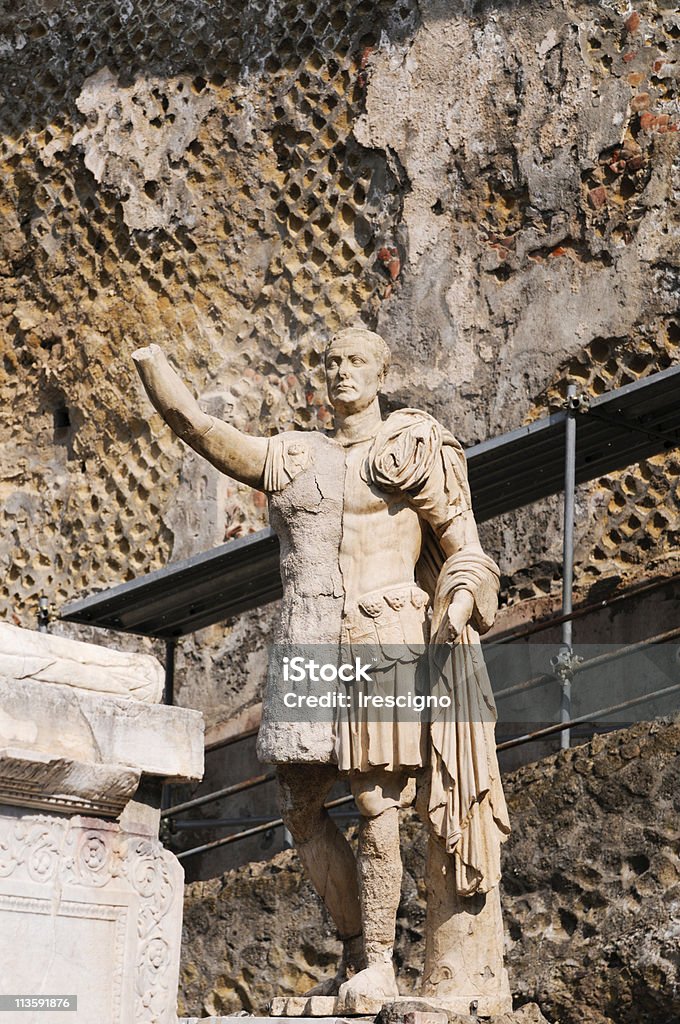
90, 901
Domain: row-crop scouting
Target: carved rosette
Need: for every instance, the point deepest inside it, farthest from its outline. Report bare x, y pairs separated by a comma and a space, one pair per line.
106, 873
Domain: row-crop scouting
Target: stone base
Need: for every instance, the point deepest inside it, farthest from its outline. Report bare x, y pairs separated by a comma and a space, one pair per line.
322, 1006
412, 1012
408, 1009
269, 1020
90, 909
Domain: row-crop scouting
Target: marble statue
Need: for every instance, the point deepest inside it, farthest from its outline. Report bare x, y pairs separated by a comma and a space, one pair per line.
379, 544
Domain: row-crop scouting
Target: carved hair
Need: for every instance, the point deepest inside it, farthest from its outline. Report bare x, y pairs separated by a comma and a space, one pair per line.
370, 339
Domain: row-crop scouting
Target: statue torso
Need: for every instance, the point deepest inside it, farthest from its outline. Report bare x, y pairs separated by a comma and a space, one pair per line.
348, 556
341, 537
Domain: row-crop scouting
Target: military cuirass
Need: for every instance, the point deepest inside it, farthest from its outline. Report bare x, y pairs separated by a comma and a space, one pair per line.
306, 514
305, 482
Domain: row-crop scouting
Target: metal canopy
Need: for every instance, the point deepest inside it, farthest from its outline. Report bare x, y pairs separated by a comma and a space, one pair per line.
618, 429
189, 595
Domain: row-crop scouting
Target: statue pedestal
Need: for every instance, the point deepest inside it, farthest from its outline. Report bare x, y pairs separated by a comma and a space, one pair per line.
91, 910
90, 901
410, 1009
404, 1011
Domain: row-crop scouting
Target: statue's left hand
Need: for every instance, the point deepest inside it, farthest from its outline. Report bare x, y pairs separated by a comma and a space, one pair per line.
459, 612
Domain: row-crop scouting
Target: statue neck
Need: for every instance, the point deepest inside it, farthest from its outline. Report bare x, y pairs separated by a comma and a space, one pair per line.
353, 427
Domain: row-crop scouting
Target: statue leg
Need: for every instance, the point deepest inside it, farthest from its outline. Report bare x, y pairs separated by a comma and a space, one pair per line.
463, 942
326, 857
379, 795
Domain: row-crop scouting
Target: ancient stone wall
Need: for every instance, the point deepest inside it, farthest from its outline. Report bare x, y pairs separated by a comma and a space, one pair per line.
492, 185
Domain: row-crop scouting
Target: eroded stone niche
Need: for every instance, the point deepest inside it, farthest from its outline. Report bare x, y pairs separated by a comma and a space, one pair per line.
493, 186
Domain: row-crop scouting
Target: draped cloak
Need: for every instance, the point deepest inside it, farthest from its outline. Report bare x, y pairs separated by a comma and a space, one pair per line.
414, 457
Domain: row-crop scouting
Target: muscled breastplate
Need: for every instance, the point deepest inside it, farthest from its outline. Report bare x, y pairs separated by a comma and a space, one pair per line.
340, 536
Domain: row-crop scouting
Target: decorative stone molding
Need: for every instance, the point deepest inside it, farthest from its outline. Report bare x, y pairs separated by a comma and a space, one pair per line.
69, 749
91, 910
31, 779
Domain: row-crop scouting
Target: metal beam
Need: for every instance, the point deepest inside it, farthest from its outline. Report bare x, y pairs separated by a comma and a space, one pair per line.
189, 595
618, 429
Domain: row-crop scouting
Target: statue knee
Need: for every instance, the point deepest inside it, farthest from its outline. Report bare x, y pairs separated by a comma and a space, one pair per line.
371, 803
302, 792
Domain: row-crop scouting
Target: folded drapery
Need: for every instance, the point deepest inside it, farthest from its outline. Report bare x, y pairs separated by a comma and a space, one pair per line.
413, 454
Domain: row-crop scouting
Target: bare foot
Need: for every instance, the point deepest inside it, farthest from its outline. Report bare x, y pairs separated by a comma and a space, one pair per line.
376, 982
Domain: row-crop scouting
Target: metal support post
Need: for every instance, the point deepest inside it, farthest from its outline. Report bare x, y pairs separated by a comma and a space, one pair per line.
168, 698
566, 653
43, 615
169, 691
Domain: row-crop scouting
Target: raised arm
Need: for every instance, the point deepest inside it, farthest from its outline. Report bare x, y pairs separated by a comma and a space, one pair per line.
239, 455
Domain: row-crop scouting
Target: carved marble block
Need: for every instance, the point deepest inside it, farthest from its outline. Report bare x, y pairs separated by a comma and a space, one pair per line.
89, 909
90, 901
26, 654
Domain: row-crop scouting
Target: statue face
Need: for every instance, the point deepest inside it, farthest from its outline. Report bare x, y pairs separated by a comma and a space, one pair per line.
353, 375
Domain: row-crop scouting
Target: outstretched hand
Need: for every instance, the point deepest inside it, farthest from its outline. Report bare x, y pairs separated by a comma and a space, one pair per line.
459, 612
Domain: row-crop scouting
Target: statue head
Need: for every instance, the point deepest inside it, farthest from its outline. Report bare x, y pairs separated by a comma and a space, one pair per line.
356, 362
